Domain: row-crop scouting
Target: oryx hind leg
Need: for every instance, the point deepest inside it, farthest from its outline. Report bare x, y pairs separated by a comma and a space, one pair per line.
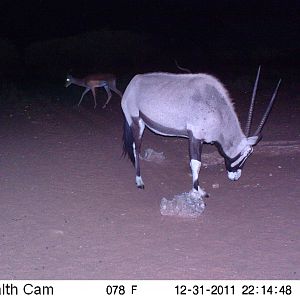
195, 150
138, 127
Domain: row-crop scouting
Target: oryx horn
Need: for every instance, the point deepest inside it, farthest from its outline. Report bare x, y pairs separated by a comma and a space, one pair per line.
250, 113
264, 118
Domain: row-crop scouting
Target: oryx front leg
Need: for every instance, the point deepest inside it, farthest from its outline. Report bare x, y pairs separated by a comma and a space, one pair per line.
138, 178
138, 127
195, 149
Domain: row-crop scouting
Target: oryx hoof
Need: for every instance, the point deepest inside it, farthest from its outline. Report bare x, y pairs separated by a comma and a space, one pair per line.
200, 193
203, 193
139, 182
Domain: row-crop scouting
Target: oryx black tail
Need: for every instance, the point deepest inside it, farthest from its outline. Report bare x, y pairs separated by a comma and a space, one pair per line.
128, 141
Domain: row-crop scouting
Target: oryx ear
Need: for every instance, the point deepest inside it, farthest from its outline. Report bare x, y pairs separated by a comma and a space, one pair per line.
253, 140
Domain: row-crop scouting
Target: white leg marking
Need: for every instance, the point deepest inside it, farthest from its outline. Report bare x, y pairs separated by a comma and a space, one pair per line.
195, 166
139, 181
142, 127
134, 152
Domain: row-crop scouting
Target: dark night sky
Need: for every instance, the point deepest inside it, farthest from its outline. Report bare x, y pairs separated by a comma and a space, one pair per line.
275, 23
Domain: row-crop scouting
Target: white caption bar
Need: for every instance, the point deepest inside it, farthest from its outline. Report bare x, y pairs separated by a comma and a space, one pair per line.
146, 289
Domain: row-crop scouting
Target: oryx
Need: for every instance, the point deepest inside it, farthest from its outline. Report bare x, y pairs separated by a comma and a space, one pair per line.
195, 106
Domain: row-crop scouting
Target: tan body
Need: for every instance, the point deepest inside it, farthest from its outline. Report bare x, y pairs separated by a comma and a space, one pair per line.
93, 81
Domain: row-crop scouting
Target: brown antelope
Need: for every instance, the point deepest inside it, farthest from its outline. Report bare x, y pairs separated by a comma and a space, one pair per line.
195, 106
91, 82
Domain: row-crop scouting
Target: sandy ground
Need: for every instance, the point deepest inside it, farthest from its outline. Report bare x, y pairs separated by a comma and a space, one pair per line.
69, 208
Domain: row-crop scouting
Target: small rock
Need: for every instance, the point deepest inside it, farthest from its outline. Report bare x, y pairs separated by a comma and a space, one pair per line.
188, 204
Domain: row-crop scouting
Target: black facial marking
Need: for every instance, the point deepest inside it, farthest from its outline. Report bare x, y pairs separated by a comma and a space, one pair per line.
229, 161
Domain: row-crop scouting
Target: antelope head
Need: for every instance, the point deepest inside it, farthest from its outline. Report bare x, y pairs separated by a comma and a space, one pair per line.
234, 165
69, 80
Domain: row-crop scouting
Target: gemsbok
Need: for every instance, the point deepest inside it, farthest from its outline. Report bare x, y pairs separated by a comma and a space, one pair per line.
91, 82
195, 106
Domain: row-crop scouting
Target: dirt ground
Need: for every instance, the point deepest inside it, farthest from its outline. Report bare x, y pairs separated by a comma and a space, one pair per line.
69, 208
